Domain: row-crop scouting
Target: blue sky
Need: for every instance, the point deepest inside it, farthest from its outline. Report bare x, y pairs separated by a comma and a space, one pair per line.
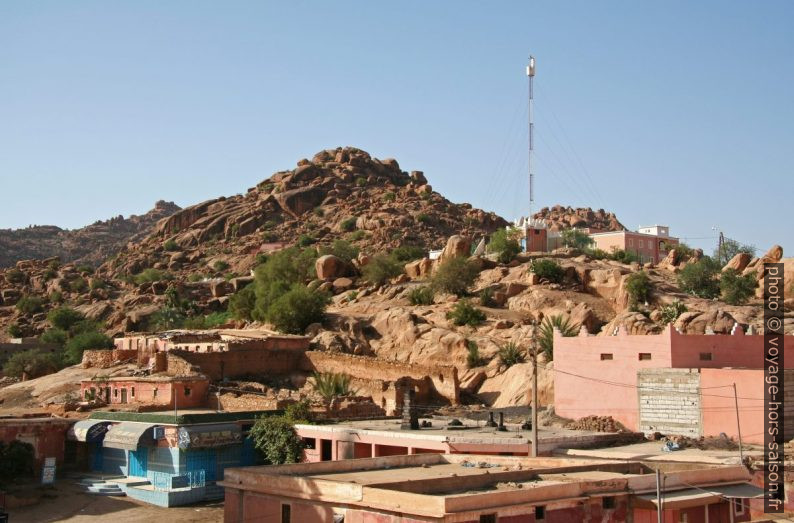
677, 113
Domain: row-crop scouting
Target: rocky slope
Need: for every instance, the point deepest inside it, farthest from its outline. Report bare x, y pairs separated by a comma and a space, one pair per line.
559, 218
92, 244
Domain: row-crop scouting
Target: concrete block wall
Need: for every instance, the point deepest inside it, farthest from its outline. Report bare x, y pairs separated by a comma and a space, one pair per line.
669, 401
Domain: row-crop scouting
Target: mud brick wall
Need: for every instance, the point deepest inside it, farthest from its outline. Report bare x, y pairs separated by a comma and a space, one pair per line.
237, 363
102, 359
670, 401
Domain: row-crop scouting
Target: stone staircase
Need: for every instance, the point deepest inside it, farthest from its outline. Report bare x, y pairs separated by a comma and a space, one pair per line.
101, 486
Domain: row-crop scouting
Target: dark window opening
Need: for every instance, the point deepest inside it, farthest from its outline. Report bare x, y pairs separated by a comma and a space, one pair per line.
644, 356
488, 518
132, 392
705, 356
540, 513
310, 443
326, 453
606, 356
286, 513
608, 502
187, 391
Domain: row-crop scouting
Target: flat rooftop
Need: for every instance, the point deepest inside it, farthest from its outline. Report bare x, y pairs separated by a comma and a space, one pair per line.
182, 417
440, 485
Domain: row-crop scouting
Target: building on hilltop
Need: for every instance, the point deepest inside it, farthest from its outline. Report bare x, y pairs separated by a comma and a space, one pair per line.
671, 383
649, 243
484, 489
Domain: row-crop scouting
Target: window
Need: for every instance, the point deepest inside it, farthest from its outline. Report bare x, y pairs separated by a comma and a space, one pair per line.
705, 356
154, 393
488, 518
606, 356
286, 513
683, 518
116, 392
645, 356
608, 502
310, 443
540, 513
738, 506
631, 242
132, 392
187, 391
641, 244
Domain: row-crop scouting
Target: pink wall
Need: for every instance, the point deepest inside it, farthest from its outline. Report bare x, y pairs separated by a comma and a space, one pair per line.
144, 392
718, 408
645, 245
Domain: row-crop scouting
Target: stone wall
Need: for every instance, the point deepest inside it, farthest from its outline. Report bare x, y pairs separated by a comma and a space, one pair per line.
441, 381
237, 363
104, 358
669, 401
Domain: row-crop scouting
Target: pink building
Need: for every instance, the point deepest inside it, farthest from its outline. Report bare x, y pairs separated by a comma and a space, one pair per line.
671, 383
187, 391
649, 243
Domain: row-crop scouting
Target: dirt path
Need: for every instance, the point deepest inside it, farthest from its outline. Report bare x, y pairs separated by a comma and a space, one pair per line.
68, 502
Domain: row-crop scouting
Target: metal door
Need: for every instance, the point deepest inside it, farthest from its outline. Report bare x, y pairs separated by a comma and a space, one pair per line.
124, 395
202, 460
139, 461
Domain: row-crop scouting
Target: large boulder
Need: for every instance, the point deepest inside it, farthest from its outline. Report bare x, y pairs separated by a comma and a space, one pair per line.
456, 246
633, 322
330, 267
694, 322
298, 201
419, 268
738, 262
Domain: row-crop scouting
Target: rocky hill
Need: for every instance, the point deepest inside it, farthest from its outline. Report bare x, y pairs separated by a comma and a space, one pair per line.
92, 244
559, 218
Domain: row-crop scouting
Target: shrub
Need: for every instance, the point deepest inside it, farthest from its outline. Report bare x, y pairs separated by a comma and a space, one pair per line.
504, 245
596, 254
151, 276
700, 278
348, 224
455, 276
486, 297
96, 283
220, 266
298, 308
380, 269
64, 318
671, 312
208, 321
304, 240
73, 352
195, 277
78, 285
276, 440
547, 269
389, 197
735, 288
275, 277
49, 274
361, 181
56, 336
171, 245
464, 313
683, 252
331, 385
546, 333
638, 288
731, 248
421, 295
627, 257
56, 297
357, 235
17, 460
33, 363
15, 331
30, 304
299, 412
341, 249
242, 303
318, 211
510, 354
15, 276
85, 269
167, 318
576, 238
472, 354
423, 218
407, 253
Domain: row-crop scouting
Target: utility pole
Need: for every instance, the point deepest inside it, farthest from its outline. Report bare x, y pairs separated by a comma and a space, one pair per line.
738, 425
531, 75
533, 350
658, 496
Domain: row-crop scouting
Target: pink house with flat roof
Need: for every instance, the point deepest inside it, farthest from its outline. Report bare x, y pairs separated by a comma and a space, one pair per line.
650, 243
670, 383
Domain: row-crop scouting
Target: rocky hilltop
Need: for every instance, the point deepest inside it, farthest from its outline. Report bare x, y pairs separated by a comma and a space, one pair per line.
92, 244
559, 218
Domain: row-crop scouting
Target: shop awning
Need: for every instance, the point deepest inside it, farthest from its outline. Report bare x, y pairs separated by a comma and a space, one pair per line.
694, 497
88, 430
128, 435
208, 436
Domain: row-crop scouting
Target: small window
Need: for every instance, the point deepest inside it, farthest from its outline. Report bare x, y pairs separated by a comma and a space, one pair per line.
116, 392
683, 518
488, 518
540, 513
705, 356
132, 392
645, 356
606, 356
310, 443
631, 242
187, 391
154, 393
738, 506
608, 502
286, 513
641, 244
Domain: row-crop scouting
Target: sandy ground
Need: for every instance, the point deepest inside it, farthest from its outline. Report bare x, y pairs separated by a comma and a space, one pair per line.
68, 502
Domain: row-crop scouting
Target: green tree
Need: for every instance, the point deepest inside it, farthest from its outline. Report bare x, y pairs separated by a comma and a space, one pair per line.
504, 245
547, 269
638, 288
64, 318
546, 332
54, 335
455, 276
700, 278
381, 268
298, 308
278, 274
735, 288
73, 352
464, 313
30, 305
276, 440
17, 459
731, 248
33, 363
342, 249
576, 238
242, 303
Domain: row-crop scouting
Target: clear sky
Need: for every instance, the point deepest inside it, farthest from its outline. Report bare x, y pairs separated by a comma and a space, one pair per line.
677, 113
